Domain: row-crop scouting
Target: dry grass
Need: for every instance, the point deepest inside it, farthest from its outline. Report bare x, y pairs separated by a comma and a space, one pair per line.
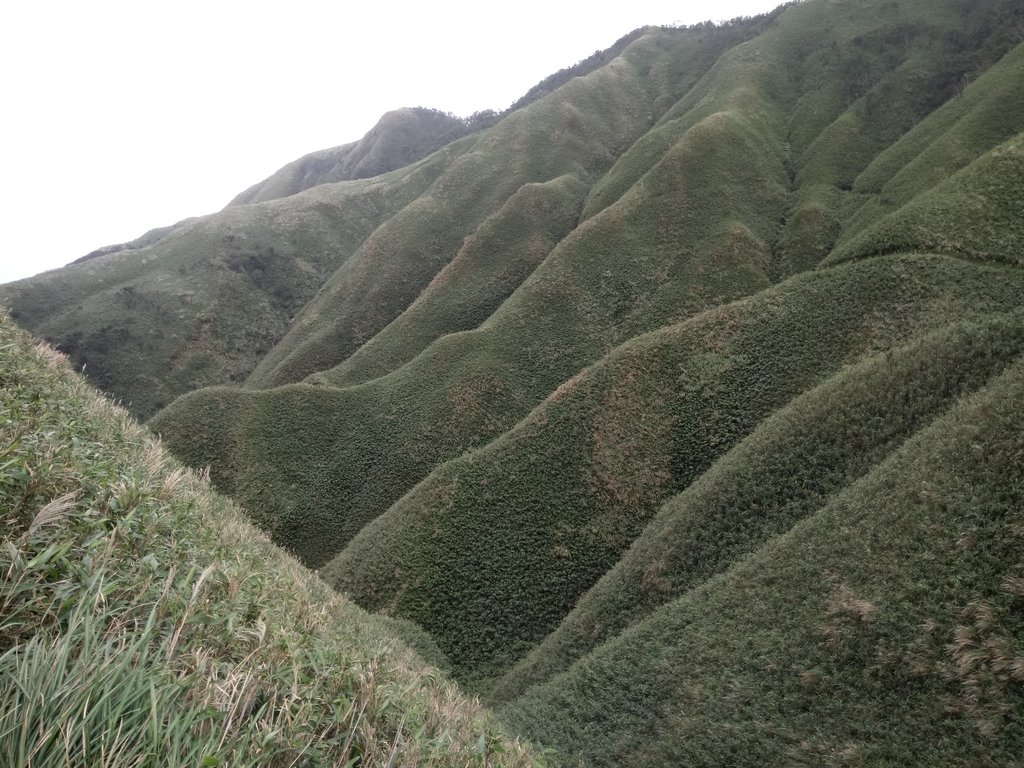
845, 610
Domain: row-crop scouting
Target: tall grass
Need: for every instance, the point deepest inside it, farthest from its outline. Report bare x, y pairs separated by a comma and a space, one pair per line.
143, 622
884, 629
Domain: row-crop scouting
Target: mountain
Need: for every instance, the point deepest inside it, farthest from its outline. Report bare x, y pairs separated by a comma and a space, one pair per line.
680, 407
400, 137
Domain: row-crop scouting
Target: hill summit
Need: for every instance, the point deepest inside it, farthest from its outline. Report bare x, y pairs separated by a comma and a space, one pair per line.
680, 407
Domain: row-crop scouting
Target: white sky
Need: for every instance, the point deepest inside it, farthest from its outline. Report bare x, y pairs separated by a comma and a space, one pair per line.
117, 117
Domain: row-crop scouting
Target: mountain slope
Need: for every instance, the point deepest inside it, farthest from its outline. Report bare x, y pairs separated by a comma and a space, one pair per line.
880, 630
578, 130
143, 622
511, 535
791, 465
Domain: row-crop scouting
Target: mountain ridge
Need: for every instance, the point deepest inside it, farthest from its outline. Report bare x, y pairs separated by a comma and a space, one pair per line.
400, 137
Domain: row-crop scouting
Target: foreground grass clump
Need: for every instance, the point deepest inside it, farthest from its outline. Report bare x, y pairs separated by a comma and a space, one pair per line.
144, 622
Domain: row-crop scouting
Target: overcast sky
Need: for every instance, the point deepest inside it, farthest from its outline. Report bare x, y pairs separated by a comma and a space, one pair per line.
118, 117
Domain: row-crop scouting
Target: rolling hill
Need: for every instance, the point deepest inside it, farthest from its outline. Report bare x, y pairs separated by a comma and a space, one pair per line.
678, 406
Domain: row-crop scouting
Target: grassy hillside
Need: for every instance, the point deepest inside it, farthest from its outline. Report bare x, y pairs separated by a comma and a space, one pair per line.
660, 411
786, 470
705, 224
511, 535
977, 213
883, 629
143, 622
576, 131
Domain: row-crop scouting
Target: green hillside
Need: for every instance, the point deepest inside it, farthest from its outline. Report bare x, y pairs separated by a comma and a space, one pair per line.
783, 472
674, 410
512, 534
882, 629
144, 622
